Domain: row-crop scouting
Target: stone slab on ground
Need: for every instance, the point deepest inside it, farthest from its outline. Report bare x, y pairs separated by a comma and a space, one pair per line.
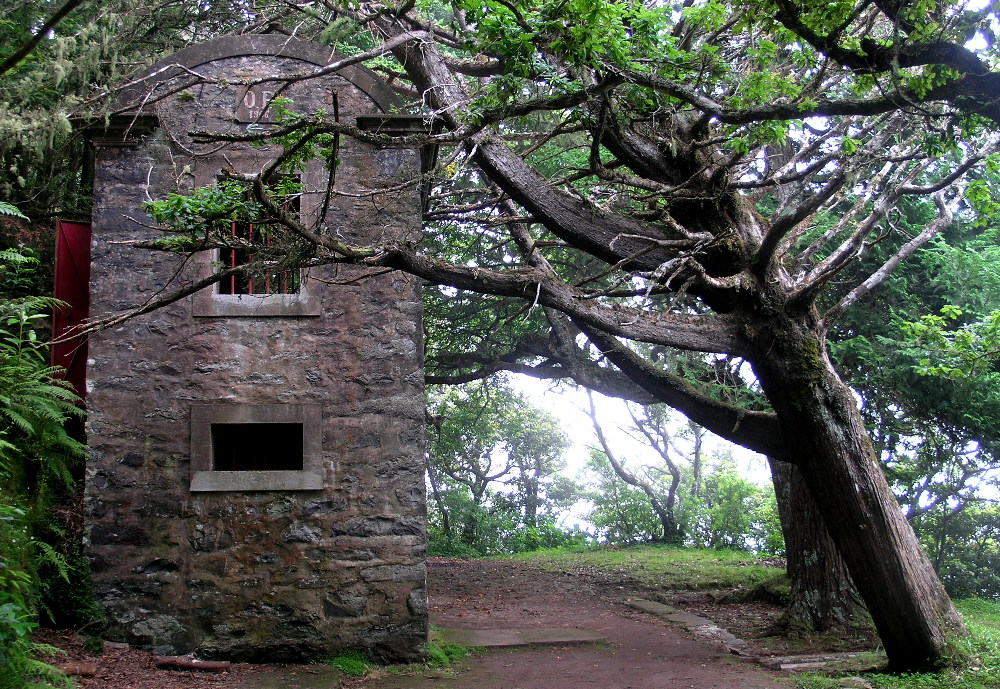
505, 638
296, 677
670, 613
699, 626
814, 663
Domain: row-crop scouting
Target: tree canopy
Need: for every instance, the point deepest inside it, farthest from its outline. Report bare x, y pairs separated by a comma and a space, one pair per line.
672, 202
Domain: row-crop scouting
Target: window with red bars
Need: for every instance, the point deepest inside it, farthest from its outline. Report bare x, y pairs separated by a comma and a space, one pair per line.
259, 279
262, 281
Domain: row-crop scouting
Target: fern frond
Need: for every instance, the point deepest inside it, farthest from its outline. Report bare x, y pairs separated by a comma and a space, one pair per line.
18, 420
45, 676
11, 210
55, 558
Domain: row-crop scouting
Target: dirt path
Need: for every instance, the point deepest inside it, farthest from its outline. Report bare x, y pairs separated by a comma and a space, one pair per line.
642, 652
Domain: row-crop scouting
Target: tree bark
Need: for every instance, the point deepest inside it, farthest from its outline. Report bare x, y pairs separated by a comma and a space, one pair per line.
823, 432
531, 500
823, 596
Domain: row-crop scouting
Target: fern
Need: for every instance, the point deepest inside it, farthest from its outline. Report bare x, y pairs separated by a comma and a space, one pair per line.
36, 460
25, 671
8, 209
51, 556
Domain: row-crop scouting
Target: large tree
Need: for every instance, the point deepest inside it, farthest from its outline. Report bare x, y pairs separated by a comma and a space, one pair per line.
696, 177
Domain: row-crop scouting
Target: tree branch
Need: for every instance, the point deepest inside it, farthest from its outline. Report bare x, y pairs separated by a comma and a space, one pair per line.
944, 219
12, 60
757, 431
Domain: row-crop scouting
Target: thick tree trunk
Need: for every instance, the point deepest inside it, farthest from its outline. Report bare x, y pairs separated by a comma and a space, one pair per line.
823, 596
823, 433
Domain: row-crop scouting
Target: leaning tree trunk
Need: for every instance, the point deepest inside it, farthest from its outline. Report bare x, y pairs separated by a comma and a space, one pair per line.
823, 596
823, 433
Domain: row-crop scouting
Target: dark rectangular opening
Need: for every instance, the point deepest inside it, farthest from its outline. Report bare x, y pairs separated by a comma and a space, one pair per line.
257, 446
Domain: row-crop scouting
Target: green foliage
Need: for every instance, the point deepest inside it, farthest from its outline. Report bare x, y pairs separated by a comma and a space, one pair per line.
930, 395
491, 528
203, 220
19, 558
352, 663
36, 453
734, 513
728, 512
11, 210
37, 458
208, 212
963, 540
967, 351
24, 670
21, 278
492, 468
621, 513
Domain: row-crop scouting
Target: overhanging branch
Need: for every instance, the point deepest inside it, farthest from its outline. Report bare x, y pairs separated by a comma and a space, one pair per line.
754, 430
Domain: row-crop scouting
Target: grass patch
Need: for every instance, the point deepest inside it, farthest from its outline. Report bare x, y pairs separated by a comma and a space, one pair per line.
982, 647
353, 663
659, 566
439, 656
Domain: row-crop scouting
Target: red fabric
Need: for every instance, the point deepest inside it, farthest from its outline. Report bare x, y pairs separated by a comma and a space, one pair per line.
72, 285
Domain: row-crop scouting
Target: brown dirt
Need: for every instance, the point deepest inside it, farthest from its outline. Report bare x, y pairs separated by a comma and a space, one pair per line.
642, 651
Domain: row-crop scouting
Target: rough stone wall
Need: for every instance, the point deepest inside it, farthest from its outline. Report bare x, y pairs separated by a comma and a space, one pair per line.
256, 575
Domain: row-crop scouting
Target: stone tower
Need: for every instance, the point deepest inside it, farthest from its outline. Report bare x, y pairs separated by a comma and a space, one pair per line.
255, 487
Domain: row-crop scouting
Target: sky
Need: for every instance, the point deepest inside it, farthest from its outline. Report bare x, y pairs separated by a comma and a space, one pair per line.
567, 404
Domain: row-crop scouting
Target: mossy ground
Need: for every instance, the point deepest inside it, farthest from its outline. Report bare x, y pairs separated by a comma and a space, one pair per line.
662, 567
981, 647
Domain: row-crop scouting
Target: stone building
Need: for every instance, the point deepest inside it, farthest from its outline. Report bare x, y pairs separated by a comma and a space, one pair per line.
255, 486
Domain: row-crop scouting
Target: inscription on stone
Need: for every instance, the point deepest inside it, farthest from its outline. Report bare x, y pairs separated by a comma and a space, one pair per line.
255, 105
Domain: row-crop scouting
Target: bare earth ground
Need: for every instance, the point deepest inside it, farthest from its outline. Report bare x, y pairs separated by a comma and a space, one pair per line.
642, 651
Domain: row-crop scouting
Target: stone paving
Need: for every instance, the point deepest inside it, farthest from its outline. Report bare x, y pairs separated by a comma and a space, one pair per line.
509, 638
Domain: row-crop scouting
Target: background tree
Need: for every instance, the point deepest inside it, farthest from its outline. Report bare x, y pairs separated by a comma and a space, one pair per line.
734, 513
730, 512
621, 513
493, 471
660, 485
